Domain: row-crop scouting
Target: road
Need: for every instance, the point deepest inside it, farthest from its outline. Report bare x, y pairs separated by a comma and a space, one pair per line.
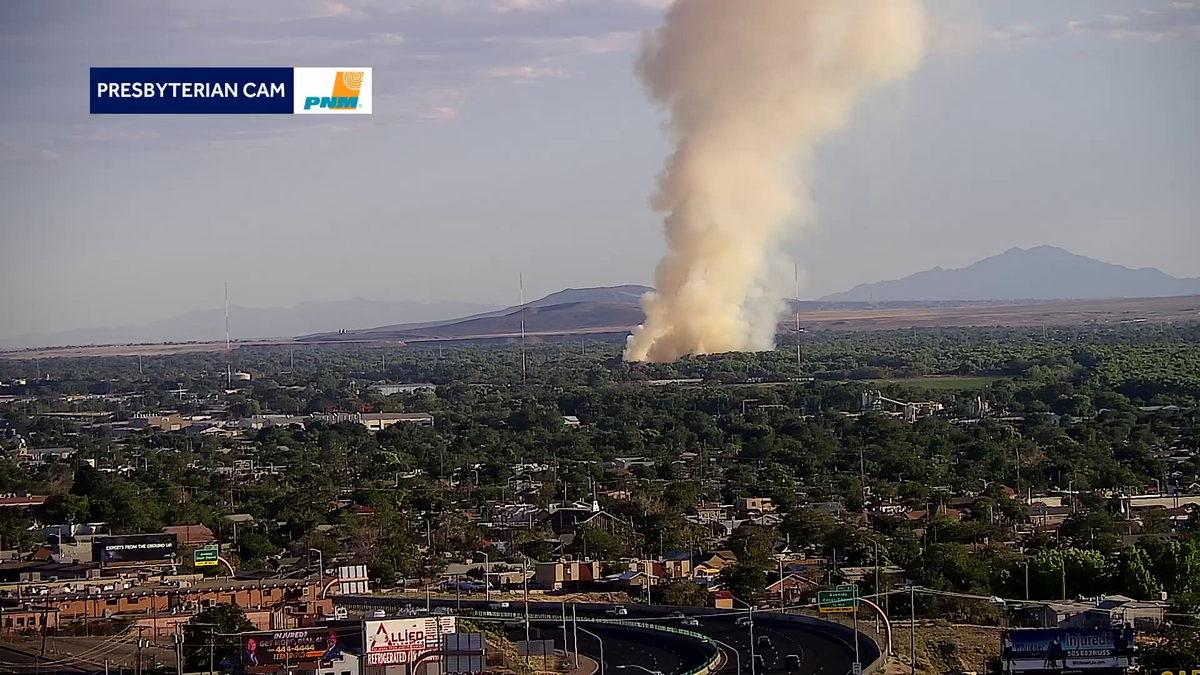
818, 652
660, 652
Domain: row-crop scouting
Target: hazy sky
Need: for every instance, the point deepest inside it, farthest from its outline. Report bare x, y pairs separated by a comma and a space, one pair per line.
512, 135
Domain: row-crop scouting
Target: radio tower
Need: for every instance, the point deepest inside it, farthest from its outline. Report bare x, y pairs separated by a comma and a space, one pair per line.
228, 350
522, 283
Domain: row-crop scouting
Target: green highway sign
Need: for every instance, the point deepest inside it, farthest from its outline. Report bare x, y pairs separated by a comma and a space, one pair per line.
841, 599
206, 555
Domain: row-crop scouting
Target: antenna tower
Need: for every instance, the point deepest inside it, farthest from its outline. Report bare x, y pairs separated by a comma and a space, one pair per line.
228, 350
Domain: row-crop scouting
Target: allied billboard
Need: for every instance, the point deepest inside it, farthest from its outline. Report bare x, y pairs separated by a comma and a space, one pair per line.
396, 641
1060, 650
292, 647
136, 548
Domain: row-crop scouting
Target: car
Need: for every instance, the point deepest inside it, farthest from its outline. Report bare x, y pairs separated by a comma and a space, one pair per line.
691, 621
499, 605
743, 622
791, 661
759, 664
618, 610
443, 611
764, 642
676, 615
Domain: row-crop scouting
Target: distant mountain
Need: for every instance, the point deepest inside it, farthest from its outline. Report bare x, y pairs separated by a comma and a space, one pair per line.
256, 322
569, 310
1041, 273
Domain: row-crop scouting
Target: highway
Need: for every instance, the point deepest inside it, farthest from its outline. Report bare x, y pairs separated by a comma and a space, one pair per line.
819, 653
666, 653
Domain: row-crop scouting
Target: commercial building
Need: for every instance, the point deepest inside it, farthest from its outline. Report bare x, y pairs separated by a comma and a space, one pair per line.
384, 389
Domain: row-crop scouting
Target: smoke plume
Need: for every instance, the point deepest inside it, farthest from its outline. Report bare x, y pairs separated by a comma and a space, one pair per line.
751, 86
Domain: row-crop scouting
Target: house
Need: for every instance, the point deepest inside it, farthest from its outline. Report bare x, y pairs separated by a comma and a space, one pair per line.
21, 501
161, 422
39, 456
621, 464
887, 574
663, 571
384, 389
191, 535
755, 505
570, 421
709, 567
707, 512
568, 575
789, 588
1113, 610
375, 421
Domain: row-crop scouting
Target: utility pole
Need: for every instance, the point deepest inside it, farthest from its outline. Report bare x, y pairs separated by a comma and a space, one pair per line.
139, 650
912, 628
1027, 579
228, 351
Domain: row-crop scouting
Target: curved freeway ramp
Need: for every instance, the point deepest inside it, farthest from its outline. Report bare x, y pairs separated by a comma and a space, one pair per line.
821, 647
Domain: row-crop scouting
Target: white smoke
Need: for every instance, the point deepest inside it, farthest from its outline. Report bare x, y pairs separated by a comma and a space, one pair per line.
751, 87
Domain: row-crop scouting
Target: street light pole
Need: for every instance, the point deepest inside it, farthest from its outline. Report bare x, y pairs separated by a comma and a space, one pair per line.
598, 640
751, 608
736, 654
575, 632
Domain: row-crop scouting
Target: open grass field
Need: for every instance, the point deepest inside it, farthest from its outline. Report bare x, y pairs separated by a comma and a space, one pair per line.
942, 383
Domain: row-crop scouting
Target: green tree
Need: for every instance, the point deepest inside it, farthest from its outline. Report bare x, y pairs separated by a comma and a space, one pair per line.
1132, 576
747, 581
685, 593
67, 507
217, 626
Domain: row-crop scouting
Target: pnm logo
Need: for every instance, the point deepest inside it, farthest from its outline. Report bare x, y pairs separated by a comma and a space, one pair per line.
345, 92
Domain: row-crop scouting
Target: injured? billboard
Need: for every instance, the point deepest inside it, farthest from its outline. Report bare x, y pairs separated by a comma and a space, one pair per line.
1067, 650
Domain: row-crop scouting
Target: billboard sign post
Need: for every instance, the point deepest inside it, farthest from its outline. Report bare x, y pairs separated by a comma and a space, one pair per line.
294, 647
1055, 650
403, 641
137, 548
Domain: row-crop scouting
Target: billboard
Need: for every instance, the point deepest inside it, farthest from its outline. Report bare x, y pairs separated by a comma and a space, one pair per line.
137, 548
320, 644
1067, 650
395, 641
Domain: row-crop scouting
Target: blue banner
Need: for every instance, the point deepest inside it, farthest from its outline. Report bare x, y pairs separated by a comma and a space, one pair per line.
194, 91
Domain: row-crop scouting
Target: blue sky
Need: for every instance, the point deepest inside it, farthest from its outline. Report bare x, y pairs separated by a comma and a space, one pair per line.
512, 135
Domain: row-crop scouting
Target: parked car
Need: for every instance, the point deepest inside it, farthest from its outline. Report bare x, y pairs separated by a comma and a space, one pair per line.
791, 662
617, 610
764, 642
759, 664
